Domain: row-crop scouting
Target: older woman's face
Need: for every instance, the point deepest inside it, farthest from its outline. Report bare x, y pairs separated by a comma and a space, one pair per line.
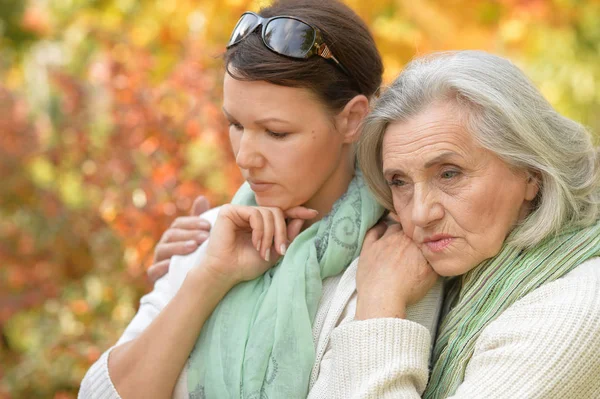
456, 200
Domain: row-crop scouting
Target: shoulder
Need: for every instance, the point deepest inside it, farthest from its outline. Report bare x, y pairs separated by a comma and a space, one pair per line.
554, 329
545, 345
579, 289
572, 299
181, 264
588, 273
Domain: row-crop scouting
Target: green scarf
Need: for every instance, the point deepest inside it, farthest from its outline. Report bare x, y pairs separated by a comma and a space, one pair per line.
493, 286
258, 342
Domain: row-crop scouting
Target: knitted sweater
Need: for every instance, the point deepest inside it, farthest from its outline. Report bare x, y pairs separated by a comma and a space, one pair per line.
547, 345
336, 308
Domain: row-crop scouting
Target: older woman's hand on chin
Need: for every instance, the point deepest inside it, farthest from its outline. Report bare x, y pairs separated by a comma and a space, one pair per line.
392, 273
248, 240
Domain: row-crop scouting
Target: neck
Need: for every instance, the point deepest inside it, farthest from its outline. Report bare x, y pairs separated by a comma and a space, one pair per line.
335, 186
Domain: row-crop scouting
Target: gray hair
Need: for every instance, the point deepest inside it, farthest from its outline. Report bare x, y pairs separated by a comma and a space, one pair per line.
508, 116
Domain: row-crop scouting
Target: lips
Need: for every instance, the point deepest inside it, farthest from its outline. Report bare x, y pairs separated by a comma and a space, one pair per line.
260, 186
438, 243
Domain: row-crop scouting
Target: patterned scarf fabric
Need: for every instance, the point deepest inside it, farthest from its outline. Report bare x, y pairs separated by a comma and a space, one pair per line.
258, 344
493, 286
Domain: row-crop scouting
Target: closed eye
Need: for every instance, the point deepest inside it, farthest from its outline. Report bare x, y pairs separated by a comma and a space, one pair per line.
236, 126
276, 135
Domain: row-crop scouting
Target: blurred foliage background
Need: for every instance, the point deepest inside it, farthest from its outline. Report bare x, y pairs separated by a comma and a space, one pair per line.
110, 125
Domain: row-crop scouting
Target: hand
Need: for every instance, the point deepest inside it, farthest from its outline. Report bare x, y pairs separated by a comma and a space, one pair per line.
248, 240
392, 273
184, 235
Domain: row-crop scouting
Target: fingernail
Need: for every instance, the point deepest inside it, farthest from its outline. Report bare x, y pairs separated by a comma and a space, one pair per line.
268, 254
282, 249
190, 244
258, 246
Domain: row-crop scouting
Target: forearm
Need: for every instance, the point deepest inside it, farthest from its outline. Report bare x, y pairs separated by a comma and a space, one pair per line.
149, 365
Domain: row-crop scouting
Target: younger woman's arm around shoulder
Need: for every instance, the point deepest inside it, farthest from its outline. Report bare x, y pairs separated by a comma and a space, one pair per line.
240, 249
97, 382
149, 365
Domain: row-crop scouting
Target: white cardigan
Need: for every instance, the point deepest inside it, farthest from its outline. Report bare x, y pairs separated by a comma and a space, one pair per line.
336, 308
546, 346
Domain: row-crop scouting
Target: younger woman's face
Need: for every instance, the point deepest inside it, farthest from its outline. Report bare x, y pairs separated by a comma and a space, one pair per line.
285, 144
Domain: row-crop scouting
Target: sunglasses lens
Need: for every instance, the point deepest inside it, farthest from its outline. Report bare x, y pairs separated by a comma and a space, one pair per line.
289, 37
245, 25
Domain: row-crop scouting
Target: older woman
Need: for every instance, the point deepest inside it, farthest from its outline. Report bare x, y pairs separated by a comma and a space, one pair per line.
493, 187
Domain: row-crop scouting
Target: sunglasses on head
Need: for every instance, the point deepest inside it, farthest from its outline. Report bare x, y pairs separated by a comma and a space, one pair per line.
284, 35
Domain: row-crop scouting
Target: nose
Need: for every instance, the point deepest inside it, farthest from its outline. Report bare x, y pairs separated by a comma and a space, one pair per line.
248, 155
426, 208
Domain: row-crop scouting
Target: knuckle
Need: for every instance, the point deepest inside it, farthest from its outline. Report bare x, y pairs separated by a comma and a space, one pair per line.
177, 222
268, 212
256, 214
151, 273
277, 212
225, 209
204, 224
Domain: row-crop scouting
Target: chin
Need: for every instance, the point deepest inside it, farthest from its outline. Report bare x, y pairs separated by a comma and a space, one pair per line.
272, 202
450, 267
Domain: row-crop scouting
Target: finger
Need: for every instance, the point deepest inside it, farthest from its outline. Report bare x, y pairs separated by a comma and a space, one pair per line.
268, 233
375, 233
180, 235
191, 223
158, 270
393, 229
300, 212
293, 228
257, 225
273, 255
280, 237
167, 250
200, 206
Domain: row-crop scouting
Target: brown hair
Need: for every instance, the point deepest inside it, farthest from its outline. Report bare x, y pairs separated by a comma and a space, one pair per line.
343, 31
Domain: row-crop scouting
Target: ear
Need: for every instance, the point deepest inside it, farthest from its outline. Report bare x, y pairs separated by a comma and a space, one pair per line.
533, 186
349, 119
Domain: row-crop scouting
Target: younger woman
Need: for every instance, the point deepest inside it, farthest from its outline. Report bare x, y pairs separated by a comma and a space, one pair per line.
250, 313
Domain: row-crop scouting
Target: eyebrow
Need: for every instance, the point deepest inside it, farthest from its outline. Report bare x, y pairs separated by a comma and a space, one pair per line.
440, 158
434, 161
265, 120
258, 122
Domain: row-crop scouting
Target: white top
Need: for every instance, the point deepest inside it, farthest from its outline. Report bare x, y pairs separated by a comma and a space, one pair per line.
336, 308
546, 345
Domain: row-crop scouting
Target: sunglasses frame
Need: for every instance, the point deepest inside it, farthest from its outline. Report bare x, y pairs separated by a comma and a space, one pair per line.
319, 47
